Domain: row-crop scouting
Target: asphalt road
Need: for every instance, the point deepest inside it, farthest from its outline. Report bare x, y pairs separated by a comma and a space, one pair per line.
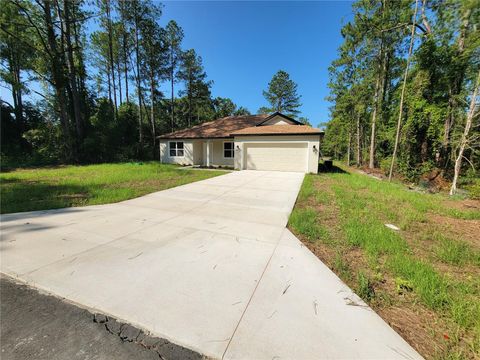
37, 326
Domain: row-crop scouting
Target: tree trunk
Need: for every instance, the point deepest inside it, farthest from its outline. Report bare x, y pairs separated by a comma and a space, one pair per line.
119, 73
121, 3
464, 140
455, 89
152, 110
139, 88
172, 103
190, 95
358, 159
349, 146
58, 81
371, 163
17, 96
125, 69
109, 86
110, 54
81, 72
72, 77
400, 112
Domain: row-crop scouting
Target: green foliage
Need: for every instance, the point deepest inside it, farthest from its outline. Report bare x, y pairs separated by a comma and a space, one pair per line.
455, 252
403, 285
197, 89
104, 100
305, 222
365, 287
282, 94
368, 75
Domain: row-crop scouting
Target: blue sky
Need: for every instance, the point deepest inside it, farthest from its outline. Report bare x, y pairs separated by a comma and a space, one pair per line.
244, 43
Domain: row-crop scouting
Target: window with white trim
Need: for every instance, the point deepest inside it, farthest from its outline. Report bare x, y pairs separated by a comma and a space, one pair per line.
228, 149
176, 148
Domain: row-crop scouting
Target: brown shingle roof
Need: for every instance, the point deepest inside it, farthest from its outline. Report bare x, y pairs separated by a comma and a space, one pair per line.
278, 130
220, 128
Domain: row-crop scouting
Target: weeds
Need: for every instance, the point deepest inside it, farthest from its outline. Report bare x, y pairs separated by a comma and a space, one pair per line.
364, 287
410, 258
456, 252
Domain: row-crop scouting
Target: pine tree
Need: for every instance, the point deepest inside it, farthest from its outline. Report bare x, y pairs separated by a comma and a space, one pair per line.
173, 40
197, 89
282, 94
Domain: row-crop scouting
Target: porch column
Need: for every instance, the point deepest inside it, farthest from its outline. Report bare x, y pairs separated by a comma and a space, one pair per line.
208, 153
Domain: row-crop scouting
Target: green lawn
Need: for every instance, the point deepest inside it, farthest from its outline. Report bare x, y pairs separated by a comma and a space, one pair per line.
424, 279
65, 186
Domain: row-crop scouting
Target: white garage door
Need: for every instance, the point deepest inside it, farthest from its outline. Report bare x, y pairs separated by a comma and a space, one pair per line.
276, 156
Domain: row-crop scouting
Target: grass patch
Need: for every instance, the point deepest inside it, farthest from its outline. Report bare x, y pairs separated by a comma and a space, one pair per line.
304, 221
456, 252
364, 287
66, 186
431, 263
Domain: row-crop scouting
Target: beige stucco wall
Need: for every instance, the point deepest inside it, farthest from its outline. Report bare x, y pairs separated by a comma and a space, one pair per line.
278, 120
187, 158
217, 153
311, 141
195, 153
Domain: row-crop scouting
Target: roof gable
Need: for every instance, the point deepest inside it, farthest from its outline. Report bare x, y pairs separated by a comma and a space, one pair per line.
275, 118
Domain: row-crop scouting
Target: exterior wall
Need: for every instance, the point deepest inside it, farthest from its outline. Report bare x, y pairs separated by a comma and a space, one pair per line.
187, 158
195, 153
311, 140
217, 153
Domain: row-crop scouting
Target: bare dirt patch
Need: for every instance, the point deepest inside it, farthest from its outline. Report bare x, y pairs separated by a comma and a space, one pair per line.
467, 204
417, 325
468, 230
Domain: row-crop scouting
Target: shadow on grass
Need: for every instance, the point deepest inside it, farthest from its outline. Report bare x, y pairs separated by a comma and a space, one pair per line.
24, 195
330, 168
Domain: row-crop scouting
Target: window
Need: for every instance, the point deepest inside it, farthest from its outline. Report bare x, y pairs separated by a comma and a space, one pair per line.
176, 148
228, 149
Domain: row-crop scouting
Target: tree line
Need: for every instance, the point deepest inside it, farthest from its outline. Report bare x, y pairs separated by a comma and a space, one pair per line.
86, 81
404, 89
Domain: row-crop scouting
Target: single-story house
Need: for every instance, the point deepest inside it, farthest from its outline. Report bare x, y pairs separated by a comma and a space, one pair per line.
254, 142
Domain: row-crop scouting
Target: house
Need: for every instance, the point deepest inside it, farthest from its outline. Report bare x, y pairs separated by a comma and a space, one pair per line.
254, 142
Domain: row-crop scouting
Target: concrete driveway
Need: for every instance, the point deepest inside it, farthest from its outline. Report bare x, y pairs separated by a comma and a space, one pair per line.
208, 265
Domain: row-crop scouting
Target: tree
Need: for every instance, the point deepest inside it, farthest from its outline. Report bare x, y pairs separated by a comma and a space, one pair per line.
400, 111
15, 54
125, 36
153, 55
173, 40
282, 94
135, 11
472, 113
197, 89
304, 121
223, 107
241, 111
